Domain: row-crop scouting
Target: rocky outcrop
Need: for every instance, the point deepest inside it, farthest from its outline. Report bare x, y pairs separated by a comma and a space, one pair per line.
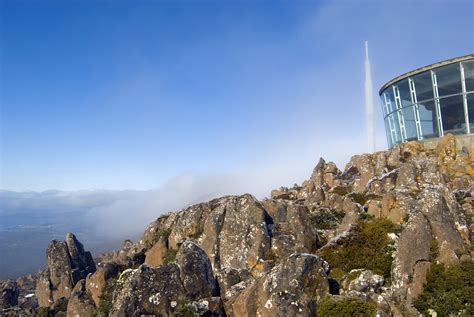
67, 263
239, 256
167, 288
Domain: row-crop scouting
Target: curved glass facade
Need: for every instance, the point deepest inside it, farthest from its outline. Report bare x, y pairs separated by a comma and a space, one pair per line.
430, 103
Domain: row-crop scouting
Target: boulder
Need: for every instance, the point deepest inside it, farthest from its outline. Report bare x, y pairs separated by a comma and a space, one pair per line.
292, 288
96, 282
413, 247
9, 294
80, 303
244, 229
443, 222
149, 291
195, 271
154, 256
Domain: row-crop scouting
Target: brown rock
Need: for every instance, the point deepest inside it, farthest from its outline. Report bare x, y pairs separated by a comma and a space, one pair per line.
154, 256
96, 282
80, 304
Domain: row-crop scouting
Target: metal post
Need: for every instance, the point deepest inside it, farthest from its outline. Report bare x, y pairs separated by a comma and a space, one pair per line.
388, 110
439, 119
416, 111
464, 98
401, 119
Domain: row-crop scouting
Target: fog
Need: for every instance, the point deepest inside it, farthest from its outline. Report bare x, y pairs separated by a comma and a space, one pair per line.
124, 214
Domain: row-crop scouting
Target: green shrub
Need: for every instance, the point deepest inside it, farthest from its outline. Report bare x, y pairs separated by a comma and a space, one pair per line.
368, 246
434, 250
360, 198
337, 274
327, 218
448, 291
366, 216
345, 306
169, 256
59, 307
157, 235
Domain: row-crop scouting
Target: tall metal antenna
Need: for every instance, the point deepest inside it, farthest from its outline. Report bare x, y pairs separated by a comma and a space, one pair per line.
369, 102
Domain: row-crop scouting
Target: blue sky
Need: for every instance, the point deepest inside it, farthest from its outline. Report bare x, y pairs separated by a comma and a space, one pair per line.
138, 94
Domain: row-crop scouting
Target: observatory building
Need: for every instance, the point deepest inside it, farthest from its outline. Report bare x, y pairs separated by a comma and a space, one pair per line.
431, 101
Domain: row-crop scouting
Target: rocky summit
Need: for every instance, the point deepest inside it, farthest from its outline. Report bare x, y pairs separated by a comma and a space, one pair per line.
390, 235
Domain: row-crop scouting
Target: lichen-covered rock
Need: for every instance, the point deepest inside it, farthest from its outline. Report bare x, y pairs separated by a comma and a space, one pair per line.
9, 294
195, 271
244, 229
292, 288
443, 223
67, 263
188, 224
163, 290
96, 282
366, 282
413, 247
293, 230
149, 291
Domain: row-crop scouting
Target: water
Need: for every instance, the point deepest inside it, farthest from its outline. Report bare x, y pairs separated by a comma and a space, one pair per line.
25, 234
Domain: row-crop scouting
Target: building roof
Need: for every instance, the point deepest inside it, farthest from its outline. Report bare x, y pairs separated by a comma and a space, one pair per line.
426, 68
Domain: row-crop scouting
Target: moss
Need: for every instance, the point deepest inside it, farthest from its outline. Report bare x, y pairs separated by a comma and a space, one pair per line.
360, 198
157, 235
448, 291
337, 274
60, 307
106, 300
169, 256
341, 190
345, 306
352, 276
42, 312
368, 246
327, 218
366, 216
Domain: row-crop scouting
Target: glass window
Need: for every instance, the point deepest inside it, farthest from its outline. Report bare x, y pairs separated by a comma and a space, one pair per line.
452, 114
393, 127
404, 89
388, 94
449, 80
470, 107
423, 86
410, 126
429, 126
469, 75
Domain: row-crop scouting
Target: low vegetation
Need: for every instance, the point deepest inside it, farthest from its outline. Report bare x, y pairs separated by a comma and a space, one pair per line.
368, 246
345, 306
327, 218
106, 300
157, 235
169, 256
448, 291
